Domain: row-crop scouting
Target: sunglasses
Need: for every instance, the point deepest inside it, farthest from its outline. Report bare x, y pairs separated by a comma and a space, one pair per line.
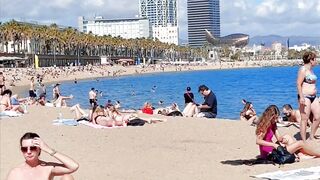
31, 148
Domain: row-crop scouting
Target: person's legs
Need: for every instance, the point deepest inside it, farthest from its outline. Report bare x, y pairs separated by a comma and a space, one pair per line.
305, 113
315, 109
189, 110
303, 147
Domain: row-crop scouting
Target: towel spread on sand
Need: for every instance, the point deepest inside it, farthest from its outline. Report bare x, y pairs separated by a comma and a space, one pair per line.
68, 122
311, 173
10, 114
97, 126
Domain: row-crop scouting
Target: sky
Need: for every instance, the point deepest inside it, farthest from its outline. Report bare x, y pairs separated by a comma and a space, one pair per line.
253, 17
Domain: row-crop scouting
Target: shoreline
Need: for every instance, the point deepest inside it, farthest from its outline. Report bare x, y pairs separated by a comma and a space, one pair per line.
23, 86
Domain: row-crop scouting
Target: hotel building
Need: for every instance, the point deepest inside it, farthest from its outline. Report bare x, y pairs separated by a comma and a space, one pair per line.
162, 15
126, 28
202, 14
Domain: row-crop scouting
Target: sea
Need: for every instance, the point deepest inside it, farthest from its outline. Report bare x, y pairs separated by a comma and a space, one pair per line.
262, 86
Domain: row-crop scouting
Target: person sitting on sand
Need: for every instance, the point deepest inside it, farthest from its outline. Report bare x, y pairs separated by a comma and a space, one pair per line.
207, 109
188, 96
31, 146
267, 128
5, 102
147, 108
248, 113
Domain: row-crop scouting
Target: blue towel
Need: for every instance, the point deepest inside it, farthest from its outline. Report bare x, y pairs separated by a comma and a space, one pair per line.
68, 122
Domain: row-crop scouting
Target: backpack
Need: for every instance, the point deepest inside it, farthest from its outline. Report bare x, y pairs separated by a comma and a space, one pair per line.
281, 156
136, 122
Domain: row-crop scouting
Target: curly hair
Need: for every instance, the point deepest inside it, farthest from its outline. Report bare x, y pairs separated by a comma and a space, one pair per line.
308, 56
265, 120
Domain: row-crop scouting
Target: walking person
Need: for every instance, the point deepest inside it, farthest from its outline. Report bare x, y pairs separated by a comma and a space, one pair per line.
307, 96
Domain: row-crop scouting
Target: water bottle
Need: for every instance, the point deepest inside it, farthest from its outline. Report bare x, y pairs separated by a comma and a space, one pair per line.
60, 117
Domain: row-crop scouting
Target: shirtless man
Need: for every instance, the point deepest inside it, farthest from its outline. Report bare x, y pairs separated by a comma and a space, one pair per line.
2, 83
292, 115
35, 169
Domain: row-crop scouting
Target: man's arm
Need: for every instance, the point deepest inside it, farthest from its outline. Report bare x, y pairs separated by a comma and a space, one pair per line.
68, 165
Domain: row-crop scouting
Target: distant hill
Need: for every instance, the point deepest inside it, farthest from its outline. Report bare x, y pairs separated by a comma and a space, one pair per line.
293, 40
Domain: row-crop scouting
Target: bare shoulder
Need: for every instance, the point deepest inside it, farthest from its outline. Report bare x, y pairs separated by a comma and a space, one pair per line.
15, 173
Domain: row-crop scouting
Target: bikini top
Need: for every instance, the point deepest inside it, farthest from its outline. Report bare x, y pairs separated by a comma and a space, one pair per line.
310, 78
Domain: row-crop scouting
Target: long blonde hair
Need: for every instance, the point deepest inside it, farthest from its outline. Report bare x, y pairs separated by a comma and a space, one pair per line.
265, 120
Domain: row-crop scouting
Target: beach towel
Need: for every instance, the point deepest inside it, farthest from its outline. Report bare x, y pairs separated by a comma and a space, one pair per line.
10, 114
311, 173
68, 122
97, 126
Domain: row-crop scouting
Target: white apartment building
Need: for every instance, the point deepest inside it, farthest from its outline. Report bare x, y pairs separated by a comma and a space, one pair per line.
277, 47
126, 28
167, 34
162, 15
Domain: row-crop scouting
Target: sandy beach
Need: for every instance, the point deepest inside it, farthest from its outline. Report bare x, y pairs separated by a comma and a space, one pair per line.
181, 148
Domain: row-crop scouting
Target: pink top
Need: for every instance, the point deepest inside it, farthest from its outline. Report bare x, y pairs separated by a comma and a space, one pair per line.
265, 150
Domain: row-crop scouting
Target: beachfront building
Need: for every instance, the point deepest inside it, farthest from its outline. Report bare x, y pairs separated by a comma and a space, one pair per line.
277, 48
130, 28
202, 15
162, 15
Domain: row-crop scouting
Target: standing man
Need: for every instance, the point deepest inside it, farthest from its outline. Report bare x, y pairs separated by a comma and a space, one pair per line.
92, 97
33, 168
207, 109
2, 83
32, 93
56, 92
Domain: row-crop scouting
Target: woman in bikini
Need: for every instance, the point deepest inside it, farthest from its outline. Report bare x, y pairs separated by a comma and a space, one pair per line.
307, 91
100, 117
248, 113
267, 128
119, 119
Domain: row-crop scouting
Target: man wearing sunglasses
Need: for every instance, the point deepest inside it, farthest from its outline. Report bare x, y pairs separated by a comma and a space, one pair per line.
33, 168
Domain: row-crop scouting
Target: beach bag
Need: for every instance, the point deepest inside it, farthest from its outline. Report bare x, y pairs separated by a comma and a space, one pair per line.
281, 156
136, 122
175, 113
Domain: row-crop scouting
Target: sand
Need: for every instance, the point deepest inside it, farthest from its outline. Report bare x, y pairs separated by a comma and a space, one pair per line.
181, 148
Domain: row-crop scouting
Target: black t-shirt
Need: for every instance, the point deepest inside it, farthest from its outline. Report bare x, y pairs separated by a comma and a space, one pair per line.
188, 98
211, 101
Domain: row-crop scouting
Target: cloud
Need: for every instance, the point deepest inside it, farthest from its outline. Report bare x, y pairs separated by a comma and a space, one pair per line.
253, 17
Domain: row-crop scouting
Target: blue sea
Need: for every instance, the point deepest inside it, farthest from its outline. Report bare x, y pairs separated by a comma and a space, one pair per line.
261, 86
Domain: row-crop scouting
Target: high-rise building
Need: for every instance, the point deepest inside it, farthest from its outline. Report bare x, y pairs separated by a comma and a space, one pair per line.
162, 15
125, 28
202, 14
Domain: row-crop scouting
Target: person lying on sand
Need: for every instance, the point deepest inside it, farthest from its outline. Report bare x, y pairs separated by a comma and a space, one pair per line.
109, 117
31, 146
